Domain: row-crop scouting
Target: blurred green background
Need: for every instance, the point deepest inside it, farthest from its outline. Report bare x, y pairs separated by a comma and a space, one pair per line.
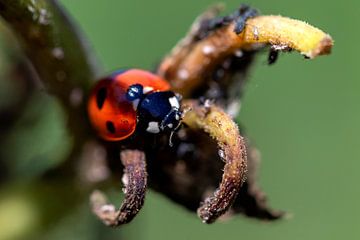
303, 115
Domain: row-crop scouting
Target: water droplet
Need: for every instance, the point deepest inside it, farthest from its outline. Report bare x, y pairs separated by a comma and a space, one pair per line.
44, 17
58, 53
125, 179
31, 9
107, 208
221, 154
76, 97
183, 74
208, 49
239, 53
256, 33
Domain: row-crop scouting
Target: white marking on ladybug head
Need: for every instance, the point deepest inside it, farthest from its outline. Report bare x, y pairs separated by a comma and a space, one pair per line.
153, 127
174, 102
147, 90
135, 103
170, 125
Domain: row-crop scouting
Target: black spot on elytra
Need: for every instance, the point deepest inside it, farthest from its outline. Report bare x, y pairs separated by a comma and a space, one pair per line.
100, 97
110, 127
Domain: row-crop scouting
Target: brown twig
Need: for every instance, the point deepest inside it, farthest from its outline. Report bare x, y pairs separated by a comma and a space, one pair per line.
221, 127
189, 62
135, 181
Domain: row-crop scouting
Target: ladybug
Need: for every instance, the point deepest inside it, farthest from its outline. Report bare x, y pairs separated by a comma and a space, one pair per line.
133, 100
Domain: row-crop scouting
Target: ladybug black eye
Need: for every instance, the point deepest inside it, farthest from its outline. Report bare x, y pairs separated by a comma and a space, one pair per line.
100, 97
110, 127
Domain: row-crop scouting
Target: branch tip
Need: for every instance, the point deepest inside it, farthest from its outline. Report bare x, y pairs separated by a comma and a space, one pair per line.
135, 188
232, 151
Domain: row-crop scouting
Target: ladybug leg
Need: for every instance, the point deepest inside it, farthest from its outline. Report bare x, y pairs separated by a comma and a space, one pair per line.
242, 15
273, 56
135, 181
274, 52
208, 26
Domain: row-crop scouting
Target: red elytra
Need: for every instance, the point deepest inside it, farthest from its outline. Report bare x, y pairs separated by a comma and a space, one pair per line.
110, 113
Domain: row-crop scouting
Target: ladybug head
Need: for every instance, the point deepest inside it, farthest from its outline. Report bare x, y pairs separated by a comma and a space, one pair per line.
159, 112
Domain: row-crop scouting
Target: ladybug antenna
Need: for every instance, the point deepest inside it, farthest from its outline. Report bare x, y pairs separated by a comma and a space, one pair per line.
179, 114
170, 139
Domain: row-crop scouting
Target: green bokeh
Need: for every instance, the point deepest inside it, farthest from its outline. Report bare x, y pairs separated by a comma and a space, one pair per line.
303, 115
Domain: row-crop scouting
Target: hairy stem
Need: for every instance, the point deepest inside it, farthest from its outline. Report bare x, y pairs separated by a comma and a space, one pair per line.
135, 181
232, 150
191, 60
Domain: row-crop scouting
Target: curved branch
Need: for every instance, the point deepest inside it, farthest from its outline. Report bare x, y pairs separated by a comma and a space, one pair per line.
135, 181
192, 59
232, 150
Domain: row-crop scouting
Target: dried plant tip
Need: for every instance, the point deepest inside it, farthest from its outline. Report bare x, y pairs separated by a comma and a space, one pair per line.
295, 34
101, 208
232, 150
195, 59
135, 189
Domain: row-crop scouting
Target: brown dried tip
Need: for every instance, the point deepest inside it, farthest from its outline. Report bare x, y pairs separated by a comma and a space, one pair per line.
135, 181
232, 150
283, 31
192, 59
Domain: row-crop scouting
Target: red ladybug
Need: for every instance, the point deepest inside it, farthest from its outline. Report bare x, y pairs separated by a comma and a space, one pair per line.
130, 100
